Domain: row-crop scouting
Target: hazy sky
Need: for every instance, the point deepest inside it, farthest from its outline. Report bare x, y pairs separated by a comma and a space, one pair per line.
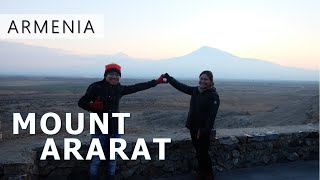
282, 31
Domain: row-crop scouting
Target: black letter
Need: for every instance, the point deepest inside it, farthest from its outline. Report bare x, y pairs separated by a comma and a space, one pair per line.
88, 23
27, 27
53, 26
15, 27
78, 26
66, 24
43, 26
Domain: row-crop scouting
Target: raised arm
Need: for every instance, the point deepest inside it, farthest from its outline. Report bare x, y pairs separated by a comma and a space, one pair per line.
137, 87
141, 86
178, 85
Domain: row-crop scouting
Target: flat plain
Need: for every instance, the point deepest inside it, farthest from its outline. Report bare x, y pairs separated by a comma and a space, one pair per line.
162, 109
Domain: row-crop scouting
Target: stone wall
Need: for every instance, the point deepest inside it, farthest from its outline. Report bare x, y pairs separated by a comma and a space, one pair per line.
228, 152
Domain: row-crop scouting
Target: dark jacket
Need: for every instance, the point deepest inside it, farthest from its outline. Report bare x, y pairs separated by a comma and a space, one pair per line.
110, 96
203, 106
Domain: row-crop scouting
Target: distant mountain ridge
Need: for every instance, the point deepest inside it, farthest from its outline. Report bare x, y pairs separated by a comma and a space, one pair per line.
21, 59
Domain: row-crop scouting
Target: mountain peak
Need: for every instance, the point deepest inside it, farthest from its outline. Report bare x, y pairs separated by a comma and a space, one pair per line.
205, 48
209, 51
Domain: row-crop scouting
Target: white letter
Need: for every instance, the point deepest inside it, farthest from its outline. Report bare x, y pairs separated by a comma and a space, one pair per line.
95, 142
94, 118
80, 124
74, 150
162, 148
17, 119
121, 117
54, 152
140, 143
57, 123
119, 150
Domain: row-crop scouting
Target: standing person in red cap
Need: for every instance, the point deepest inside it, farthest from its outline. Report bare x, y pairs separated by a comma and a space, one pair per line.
104, 97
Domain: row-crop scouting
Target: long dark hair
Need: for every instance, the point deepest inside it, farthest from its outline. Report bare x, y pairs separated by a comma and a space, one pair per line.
209, 74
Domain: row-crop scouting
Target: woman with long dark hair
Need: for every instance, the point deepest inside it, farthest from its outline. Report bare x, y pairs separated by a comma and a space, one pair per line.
203, 109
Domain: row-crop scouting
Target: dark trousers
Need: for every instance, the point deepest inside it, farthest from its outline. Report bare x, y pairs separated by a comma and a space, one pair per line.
202, 149
95, 161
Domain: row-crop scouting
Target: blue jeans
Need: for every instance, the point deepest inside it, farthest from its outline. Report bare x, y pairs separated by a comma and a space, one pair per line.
95, 161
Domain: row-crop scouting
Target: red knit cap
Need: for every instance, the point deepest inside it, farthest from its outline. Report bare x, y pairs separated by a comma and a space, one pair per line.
112, 68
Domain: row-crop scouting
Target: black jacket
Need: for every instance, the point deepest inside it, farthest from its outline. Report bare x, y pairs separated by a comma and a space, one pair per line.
110, 96
203, 106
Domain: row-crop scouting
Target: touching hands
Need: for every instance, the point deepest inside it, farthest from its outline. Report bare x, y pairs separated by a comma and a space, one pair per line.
161, 79
167, 76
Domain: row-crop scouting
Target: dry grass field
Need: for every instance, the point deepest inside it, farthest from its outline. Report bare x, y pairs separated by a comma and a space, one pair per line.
163, 109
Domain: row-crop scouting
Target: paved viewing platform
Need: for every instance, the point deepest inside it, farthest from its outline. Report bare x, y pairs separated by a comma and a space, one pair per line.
299, 170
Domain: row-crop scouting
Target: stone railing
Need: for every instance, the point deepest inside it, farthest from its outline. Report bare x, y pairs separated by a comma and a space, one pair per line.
237, 148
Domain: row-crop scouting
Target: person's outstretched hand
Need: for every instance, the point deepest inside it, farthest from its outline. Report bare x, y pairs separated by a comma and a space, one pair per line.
161, 79
167, 76
97, 105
